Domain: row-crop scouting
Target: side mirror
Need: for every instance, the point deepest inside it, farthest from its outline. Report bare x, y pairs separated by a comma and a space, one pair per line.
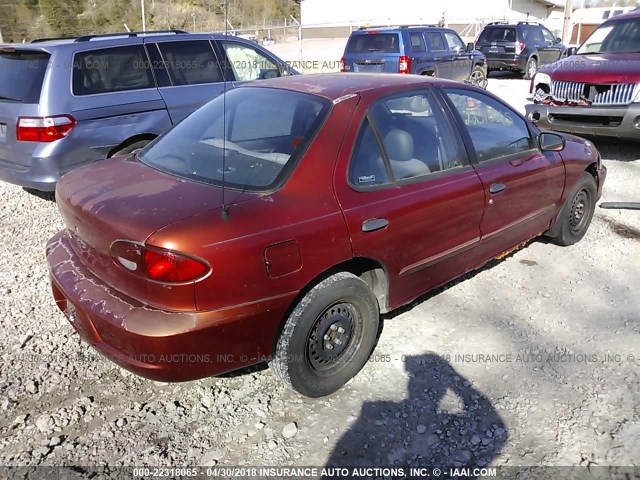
570, 51
470, 47
551, 142
558, 40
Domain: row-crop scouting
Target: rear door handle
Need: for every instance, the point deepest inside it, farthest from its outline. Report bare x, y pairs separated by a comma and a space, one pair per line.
497, 188
374, 224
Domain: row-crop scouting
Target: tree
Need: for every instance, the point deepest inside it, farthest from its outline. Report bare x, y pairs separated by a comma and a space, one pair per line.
62, 16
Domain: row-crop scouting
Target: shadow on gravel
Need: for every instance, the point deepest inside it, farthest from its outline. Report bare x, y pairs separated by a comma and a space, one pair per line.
622, 230
48, 196
617, 150
443, 422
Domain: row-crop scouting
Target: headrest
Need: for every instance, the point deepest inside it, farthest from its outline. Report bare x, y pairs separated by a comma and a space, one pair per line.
399, 145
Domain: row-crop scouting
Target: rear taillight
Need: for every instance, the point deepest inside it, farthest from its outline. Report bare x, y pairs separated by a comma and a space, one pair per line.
158, 263
520, 46
404, 65
343, 64
44, 129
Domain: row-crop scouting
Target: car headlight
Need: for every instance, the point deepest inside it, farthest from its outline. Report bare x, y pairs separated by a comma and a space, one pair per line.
541, 78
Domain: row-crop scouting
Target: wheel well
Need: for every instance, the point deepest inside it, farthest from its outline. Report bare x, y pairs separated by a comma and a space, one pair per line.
369, 270
130, 141
593, 170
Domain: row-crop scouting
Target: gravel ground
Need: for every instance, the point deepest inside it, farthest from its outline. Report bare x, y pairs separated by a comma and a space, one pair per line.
534, 360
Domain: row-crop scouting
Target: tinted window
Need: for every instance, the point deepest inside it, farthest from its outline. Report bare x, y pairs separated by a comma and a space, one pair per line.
620, 36
190, 63
111, 70
417, 42
495, 129
498, 34
548, 36
453, 41
249, 137
367, 164
533, 34
21, 75
435, 41
249, 64
374, 43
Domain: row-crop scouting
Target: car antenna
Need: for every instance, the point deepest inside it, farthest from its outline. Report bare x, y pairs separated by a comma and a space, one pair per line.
224, 214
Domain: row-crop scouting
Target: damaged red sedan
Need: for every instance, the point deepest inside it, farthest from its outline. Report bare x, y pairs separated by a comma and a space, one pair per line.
277, 222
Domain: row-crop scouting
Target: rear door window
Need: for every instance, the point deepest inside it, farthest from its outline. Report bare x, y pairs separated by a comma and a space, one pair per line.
114, 69
190, 62
435, 40
418, 44
374, 43
21, 75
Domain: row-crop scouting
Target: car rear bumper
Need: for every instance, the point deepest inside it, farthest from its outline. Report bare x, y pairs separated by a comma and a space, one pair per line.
158, 344
617, 122
511, 62
42, 173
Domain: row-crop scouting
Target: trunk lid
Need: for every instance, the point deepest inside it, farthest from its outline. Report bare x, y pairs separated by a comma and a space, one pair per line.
123, 199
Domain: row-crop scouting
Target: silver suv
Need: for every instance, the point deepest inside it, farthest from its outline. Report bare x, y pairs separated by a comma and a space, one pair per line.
69, 102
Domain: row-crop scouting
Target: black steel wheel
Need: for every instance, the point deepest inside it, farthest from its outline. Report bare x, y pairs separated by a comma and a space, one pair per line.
575, 216
328, 337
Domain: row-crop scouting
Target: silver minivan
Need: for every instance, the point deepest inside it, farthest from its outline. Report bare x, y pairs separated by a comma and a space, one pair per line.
69, 102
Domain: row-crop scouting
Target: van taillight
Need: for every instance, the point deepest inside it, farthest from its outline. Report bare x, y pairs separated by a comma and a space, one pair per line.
44, 129
520, 46
157, 263
404, 65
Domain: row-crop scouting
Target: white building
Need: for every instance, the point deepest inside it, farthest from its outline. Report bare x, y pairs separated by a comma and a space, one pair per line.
336, 18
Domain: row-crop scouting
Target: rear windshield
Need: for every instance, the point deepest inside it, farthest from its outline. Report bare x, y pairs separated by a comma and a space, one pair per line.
498, 34
374, 43
251, 140
620, 36
21, 75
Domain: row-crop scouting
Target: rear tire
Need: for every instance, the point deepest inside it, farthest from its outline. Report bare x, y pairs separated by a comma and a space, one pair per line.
328, 337
576, 214
531, 68
132, 148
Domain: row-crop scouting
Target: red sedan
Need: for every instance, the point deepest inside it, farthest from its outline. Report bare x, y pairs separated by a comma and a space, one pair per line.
277, 223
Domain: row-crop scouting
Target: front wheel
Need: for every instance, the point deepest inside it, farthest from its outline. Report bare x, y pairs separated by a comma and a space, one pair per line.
531, 68
577, 212
478, 77
328, 337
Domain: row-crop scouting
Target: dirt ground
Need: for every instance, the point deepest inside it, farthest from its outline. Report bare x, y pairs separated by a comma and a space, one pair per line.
534, 360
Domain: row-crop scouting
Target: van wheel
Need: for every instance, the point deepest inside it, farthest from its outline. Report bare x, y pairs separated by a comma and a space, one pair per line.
328, 337
134, 147
531, 68
576, 214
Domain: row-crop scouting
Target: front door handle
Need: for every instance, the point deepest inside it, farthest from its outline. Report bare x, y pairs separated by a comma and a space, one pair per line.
374, 224
497, 188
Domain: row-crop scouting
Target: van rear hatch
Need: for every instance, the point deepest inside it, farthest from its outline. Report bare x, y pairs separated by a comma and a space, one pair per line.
496, 41
22, 73
373, 52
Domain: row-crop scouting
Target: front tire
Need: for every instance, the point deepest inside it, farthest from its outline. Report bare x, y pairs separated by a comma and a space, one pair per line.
328, 337
577, 212
478, 77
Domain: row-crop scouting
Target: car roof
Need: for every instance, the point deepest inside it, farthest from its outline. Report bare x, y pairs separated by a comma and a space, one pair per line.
397, 28
117, 39
624, 16
334, 86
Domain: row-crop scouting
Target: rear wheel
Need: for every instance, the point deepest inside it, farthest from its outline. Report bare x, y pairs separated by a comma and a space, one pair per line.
328, 337
531, 68
134, 147
577, 212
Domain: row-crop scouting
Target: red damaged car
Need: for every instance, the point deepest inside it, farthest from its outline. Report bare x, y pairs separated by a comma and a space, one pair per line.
595, 92
277, 222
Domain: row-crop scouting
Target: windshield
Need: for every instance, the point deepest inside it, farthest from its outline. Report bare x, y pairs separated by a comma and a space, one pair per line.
374, 43
251, 139
620, 36
21, 75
